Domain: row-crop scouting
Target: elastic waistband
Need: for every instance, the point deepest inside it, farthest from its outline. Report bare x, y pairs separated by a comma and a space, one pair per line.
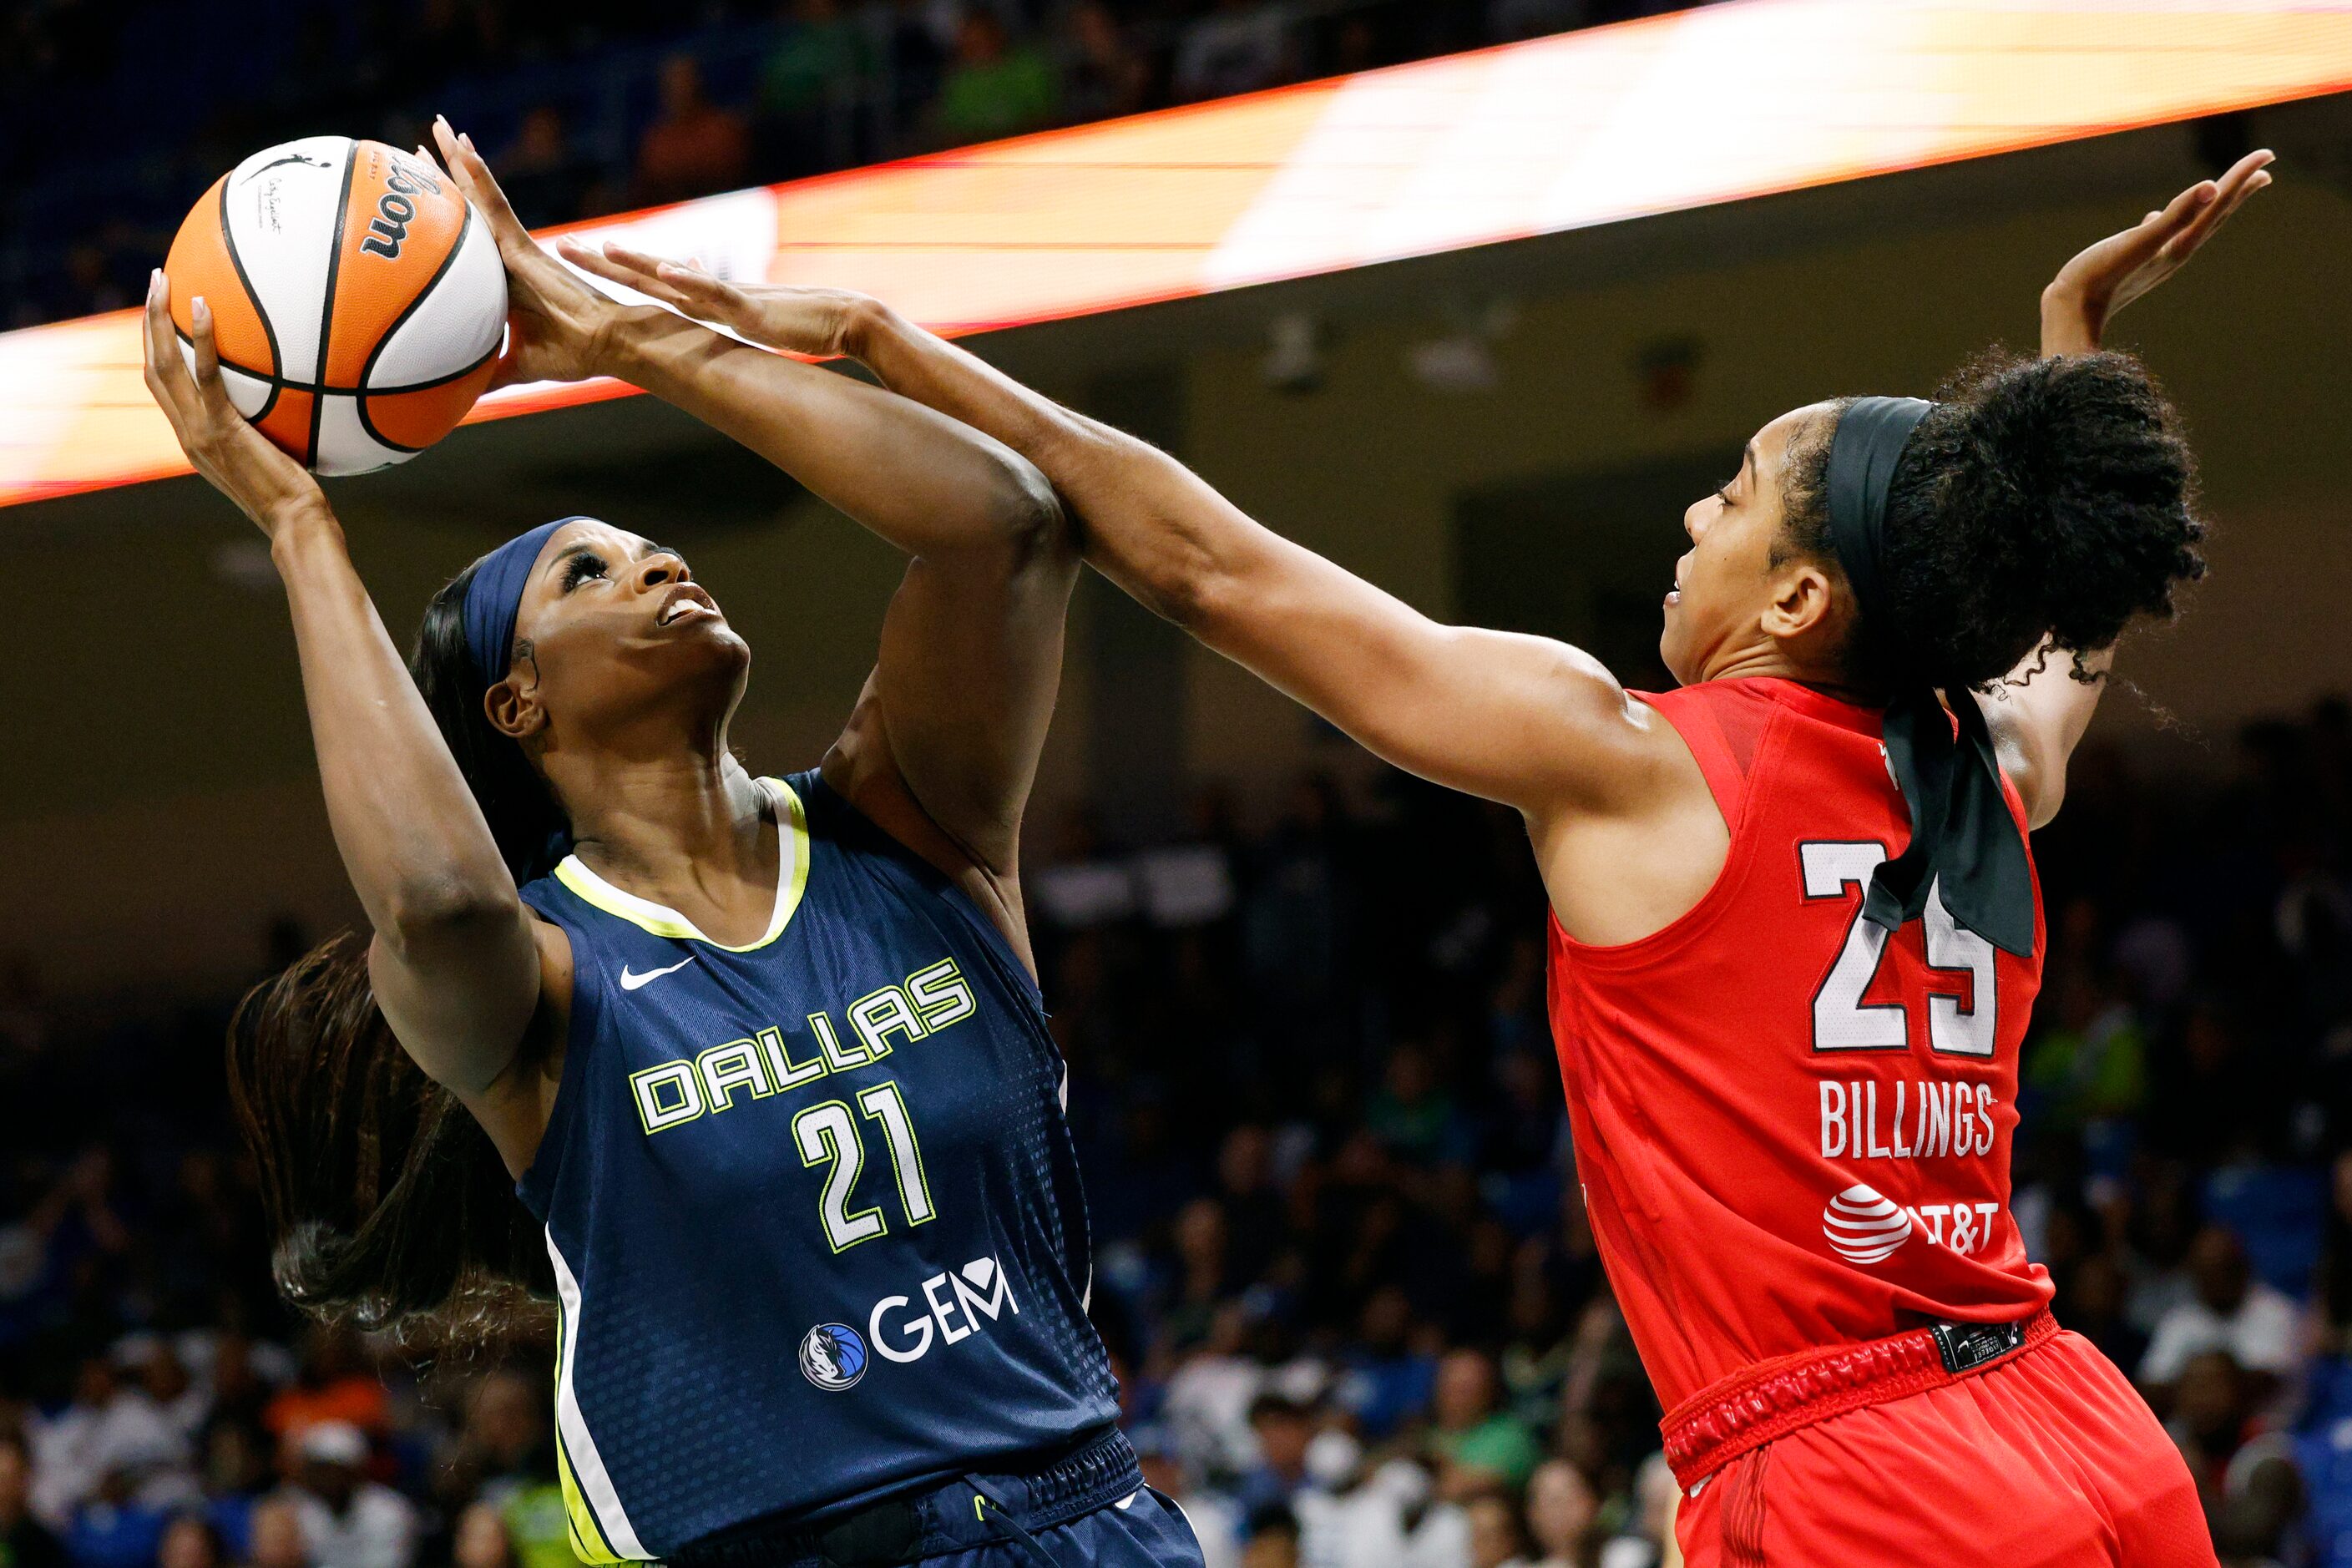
945, 1518
1736, 1414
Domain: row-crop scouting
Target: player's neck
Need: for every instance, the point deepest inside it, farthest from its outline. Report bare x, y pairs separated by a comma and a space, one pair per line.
1769, 659
692, 816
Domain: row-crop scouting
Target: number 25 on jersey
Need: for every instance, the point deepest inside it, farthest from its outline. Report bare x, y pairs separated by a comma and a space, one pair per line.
1960, 1022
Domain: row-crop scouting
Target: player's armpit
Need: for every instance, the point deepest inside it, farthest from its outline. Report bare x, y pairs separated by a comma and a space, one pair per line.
2037, 714
479, 1008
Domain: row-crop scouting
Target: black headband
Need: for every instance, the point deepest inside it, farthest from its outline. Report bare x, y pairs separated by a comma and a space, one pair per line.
1965, 848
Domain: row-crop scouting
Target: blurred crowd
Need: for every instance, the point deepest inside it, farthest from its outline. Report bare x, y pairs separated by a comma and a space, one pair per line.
115, 115
1355, 1305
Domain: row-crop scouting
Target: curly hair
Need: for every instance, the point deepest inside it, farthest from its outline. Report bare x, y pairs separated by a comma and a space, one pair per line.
2041, 498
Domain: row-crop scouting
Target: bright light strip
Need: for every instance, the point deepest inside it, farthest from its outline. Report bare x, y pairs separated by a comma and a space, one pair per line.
1674, 112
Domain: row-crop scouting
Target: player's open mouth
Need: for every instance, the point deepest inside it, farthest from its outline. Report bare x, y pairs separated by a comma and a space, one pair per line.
685, 600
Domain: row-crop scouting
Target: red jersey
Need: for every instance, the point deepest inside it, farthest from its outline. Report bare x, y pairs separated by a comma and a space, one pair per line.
1792, 1129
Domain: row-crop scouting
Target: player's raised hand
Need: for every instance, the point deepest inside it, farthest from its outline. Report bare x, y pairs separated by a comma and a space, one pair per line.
817, 323
557, 329
2103, 279
239, 460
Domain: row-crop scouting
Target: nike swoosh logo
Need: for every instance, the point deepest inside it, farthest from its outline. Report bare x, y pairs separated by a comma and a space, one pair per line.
631, 979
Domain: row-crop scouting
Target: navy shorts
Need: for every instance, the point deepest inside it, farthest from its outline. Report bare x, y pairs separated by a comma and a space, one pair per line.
1142, 1530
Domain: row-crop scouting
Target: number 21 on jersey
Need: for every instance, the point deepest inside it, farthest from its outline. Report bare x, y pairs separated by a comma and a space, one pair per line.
1842, 1020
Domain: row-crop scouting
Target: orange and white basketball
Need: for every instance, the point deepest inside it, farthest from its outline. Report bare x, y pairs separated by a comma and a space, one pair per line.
357, 299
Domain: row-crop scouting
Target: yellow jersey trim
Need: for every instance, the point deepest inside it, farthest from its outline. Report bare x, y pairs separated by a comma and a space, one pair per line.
588, 1543
791, 881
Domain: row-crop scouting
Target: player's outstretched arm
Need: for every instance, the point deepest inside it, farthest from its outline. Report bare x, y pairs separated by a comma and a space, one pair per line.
2038, 714
456, 959
1522, 720
946, 738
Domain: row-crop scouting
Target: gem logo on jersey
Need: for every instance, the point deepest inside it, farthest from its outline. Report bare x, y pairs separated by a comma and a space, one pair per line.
956, 1303
1865, 1227
833, 1357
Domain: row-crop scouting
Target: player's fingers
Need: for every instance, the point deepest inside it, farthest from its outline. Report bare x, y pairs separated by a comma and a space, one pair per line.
596, 264
167, 377
712, 294
2244, 180
473, 175
2183, 208
200, 334
682, 278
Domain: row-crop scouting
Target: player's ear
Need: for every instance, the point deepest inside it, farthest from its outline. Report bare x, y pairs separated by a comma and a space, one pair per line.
513, 710
1800, 602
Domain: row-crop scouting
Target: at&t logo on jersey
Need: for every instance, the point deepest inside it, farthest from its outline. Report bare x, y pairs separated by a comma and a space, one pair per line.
1865, 1227
833, 1357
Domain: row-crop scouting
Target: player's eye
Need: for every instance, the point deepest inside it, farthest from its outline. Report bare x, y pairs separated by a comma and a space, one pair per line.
581, 567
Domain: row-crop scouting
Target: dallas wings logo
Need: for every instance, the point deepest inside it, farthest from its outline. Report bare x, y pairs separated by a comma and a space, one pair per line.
1863, 1225
833, 1357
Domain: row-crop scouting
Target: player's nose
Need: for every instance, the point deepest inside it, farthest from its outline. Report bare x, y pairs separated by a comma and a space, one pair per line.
660, 569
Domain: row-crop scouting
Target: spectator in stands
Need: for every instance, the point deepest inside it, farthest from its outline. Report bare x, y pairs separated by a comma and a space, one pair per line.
1271, 1540
2092, 1301
25, 1542
1239, 46
543, 177
995, 86
1106, 76
2247, 1476
1256, 1222
1283, 1428
110, 1442
242, 1375
1413, 1115
1478, 1446
506, 1458
190, 1541
1389, 1377
819, 73
349, 1520
2231, 1310
695, 147
236, 1475
112, 1528
1496, 1538
164, 1379
277, 1540
481, 1540
1561, 1511
335, 1383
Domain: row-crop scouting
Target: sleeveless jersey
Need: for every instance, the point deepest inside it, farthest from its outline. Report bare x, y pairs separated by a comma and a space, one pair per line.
1792, 1128
812, 1204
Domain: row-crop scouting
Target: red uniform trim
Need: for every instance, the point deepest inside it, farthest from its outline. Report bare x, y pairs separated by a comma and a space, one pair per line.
1740, 1414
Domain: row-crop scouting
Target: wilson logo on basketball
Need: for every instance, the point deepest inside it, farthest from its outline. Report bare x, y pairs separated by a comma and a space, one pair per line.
1865, 1227
388, 230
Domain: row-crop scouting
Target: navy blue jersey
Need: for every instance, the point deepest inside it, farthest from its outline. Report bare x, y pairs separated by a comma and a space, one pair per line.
815, 1220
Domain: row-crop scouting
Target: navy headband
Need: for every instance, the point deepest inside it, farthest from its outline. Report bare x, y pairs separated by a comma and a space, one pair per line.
494, 598
1966, 848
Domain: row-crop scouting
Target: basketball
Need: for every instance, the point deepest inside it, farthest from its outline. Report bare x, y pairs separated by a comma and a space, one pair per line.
357, 299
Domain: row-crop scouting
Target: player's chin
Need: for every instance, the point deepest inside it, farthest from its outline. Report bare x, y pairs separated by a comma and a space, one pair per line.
1671, 653
707, 644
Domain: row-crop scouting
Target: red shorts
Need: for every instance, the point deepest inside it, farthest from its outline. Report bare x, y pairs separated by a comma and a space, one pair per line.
2048, 1459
